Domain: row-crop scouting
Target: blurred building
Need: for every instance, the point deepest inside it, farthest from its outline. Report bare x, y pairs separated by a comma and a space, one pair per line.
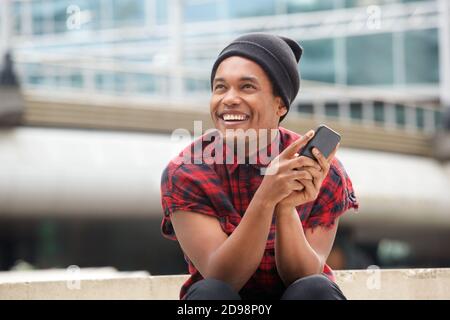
106, 82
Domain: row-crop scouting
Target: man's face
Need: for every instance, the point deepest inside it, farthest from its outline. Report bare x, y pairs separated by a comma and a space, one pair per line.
243, 98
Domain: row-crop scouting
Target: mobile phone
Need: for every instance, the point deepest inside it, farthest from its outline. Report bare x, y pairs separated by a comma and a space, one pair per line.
325, 139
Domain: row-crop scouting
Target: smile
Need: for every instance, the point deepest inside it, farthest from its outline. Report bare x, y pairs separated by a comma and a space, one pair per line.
233, 117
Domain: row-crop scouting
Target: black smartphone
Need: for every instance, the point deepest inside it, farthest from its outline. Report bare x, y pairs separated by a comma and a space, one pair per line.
325, 139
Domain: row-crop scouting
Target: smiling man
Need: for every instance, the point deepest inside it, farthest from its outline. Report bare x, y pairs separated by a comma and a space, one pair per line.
246, 235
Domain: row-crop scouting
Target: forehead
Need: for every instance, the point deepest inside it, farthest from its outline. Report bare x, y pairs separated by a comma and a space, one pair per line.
239, 67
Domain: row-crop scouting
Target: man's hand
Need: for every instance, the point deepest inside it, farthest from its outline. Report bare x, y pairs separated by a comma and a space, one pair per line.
311, 186
283, 177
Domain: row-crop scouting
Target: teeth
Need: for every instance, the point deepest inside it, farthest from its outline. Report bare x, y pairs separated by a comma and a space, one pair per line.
234, 117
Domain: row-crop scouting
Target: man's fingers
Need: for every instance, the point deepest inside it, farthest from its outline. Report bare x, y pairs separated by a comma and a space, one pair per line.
303, 175
297, 185
332, 154
302, 161
314, 172
325, 163
317, 175
309, 189
294, 147
320, 158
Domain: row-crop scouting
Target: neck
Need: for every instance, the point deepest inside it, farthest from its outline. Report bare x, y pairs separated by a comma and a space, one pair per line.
250, 146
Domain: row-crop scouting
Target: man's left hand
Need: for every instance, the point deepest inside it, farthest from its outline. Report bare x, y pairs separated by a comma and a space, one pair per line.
311, 186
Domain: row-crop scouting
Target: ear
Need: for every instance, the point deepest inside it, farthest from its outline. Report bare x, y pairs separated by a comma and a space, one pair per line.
281, 108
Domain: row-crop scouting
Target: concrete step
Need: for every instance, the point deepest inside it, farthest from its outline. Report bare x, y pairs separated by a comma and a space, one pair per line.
356, 284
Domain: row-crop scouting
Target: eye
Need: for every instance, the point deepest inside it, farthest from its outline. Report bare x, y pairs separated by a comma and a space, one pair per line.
248, 86
219, 87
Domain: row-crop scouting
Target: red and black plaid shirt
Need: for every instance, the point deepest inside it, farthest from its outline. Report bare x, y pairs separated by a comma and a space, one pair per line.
224, 191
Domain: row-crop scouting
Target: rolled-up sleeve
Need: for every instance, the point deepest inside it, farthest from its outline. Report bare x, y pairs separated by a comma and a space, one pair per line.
336, 196
180, 191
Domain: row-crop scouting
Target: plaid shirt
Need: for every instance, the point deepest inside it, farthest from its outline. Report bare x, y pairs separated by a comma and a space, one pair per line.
224, 191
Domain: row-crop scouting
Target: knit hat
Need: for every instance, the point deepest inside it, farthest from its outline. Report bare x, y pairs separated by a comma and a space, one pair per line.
278, 57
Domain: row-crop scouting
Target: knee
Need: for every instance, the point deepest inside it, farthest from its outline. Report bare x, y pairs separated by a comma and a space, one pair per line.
315, 287
211, 289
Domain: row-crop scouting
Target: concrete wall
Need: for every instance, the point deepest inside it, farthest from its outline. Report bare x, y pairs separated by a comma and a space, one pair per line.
356, 284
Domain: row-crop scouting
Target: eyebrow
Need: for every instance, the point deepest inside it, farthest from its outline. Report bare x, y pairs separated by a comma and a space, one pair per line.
249, 78
245, 78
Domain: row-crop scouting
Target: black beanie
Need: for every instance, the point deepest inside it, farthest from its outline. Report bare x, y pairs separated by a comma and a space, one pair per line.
278, 56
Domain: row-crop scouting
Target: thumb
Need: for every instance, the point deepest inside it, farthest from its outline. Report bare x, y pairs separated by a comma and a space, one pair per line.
295, 147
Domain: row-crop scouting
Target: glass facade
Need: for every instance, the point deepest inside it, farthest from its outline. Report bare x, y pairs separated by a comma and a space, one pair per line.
115, 13
369, 59
135, 42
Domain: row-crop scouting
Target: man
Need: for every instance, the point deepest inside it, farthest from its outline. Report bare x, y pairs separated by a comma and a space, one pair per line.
11, 109
246, 235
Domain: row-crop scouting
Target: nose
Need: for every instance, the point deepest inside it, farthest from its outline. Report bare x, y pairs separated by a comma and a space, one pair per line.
231, 98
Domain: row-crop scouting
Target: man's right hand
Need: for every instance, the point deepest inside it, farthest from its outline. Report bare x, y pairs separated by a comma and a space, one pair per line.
283, 174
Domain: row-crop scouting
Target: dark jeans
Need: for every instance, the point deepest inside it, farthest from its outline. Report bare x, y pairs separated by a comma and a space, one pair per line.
315, 287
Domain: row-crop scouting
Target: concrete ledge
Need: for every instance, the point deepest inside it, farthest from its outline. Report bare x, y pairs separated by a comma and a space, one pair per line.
356, 284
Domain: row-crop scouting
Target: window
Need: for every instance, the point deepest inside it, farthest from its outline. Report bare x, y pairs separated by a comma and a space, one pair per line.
61, 16
356, 111
66, 20
317, 62
378, 111
241, 9
332, 109
307, 108
104, 81
17, 27
200, 10
128, 13
198, 86
422, 56
370, 60
400, 116
145, 83
294, 6
438, 119
161, 12
76, 79
39, 16
413, 0
420, 118
33, 73
120, 81
360, 3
